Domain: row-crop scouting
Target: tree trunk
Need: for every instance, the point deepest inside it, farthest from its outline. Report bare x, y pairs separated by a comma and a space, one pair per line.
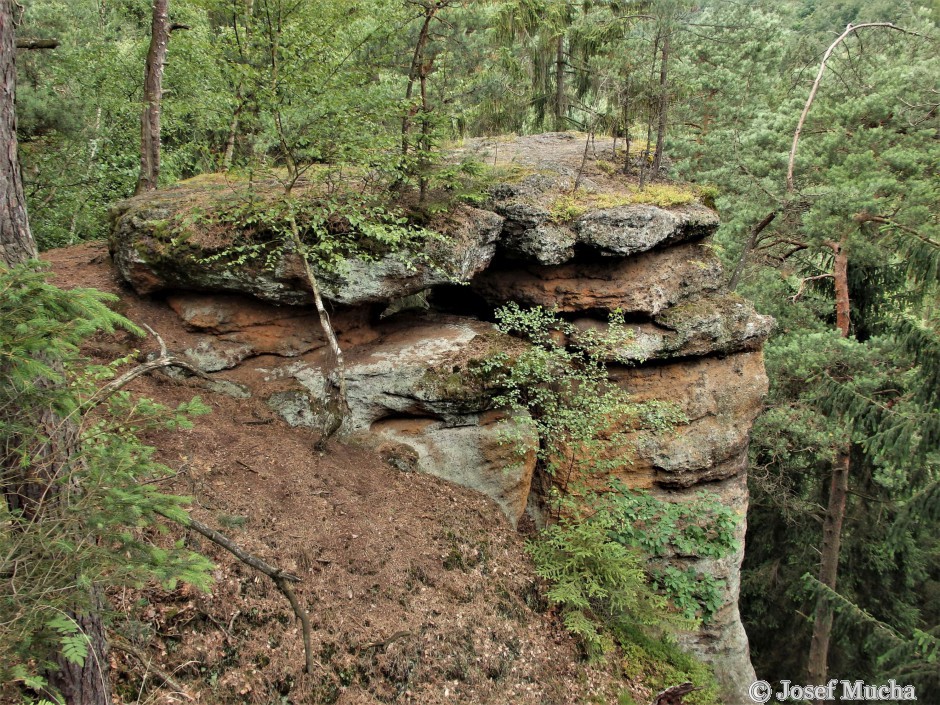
645, 161
86, 684
417, 61
31, 487
424, 162
817, 665
818, 662
748, 246
840, 273
341, 398
663, 107
229, 155
626, 129
153, 95
16, 241
560, 105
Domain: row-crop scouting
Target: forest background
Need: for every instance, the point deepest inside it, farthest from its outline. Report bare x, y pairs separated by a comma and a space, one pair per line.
835, 234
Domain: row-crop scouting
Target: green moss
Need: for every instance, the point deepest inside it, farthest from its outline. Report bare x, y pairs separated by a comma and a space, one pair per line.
680, 316
570, 206
566, 208
660, 664
507, 174
665, 195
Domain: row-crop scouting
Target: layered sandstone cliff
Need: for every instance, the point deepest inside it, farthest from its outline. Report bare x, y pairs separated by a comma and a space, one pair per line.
559, 231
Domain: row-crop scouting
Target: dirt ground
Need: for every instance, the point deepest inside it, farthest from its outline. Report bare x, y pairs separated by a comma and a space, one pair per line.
418, 590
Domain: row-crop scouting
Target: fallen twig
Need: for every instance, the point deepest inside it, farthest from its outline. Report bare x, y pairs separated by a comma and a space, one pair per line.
674, 694
164, 360
148, 662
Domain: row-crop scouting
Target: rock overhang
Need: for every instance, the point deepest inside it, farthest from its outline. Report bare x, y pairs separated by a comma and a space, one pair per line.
410, 385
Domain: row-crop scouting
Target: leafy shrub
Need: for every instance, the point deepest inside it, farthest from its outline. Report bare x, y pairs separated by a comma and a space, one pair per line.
595, 580
561, 382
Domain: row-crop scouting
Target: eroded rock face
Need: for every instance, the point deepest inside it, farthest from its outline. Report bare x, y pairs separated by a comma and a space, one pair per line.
717, 324
418, 387
156, 249
235, 327
645, 285
629, 230
531, 234
723, 642
475, 455
414, 381
720, 396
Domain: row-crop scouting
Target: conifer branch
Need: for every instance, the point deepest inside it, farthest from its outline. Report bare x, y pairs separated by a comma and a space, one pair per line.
803, 282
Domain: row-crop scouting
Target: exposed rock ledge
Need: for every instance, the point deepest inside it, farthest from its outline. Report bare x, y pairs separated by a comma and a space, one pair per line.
409, 375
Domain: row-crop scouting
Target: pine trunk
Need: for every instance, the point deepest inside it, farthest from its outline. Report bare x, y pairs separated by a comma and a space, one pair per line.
817, 666
663, 108
417, 61
16, 241
153, 96
840, 274
818, 662
229, 155
31, 489
86, 684
560, 107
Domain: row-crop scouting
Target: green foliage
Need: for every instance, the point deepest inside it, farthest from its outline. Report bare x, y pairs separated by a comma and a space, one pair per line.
583, 419
660, 663
314, 94
569, 207
863, 177
703, 528
910, 657
596, 555
333, 228
100, 513
72, 642
597, 581
600, 581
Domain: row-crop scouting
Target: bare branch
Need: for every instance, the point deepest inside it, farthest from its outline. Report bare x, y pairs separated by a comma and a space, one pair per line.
674, 695
803, 283
888, 222
280, 578
850, 28
165, 360
37, 44
748, 246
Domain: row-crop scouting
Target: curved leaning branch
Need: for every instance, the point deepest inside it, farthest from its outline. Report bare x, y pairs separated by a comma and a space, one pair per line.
164, 360
282, 579
850, 29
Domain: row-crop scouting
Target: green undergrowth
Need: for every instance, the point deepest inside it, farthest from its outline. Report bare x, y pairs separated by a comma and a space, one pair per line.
619, 564
95, 508
660, 663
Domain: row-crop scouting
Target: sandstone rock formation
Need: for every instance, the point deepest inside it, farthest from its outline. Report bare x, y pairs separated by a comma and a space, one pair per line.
158, 243
413, 378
